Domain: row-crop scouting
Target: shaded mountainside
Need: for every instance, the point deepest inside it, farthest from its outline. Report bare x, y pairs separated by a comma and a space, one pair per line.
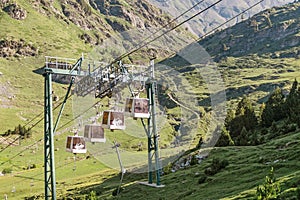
218, 14
273, 33
270, 39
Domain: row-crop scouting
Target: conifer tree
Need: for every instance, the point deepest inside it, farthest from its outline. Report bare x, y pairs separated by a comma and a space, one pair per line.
244, 117
274, 108
224, 139
291, 105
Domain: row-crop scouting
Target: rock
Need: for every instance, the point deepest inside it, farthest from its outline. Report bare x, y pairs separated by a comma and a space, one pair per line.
3, 3
15, 11
1, 73
9, 48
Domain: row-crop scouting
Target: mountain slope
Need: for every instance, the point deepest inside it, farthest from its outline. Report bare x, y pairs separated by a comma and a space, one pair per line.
63, 30
272, 33
217, 15
66, 28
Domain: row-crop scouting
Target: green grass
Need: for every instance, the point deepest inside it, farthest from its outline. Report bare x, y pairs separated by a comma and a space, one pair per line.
247, 168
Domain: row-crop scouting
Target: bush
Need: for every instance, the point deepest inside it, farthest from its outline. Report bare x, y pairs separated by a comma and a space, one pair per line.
202, 179
92, 195
298, 192
216, 166
167, 169
270, 188
115, 192
194, 160
6, 171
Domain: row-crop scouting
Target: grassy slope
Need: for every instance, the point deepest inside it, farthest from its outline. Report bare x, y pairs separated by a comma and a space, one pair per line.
64, 42
248, 165
55, 38
52, 37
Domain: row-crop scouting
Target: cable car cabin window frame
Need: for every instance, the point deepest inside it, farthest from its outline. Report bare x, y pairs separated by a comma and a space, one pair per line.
70, 144
91, 135
109, 118
131, 107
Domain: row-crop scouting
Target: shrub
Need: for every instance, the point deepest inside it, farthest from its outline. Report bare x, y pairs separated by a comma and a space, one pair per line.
270, 188
202, 179
216, 166
92, 195
115, 192
167, 169
6, 171
194, 160
298, 192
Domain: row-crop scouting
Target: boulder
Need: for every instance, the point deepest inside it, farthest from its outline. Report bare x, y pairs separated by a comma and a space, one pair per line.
15, 11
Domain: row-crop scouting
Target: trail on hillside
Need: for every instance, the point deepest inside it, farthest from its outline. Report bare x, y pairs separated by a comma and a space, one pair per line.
183, 106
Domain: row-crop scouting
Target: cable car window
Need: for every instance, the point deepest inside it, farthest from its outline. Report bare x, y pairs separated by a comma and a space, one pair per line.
78, 143
117, 119
141, 106
105, 117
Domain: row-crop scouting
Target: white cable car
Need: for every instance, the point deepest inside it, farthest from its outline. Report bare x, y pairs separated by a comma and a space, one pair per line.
113, 120
94, 133
105, 75
75, 144
137, 107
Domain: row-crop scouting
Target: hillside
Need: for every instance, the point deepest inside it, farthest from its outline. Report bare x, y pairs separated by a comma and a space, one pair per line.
33, 29
247, 68
218, 14
273, 33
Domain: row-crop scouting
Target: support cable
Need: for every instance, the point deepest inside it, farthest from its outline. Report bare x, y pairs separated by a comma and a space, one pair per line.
127, 54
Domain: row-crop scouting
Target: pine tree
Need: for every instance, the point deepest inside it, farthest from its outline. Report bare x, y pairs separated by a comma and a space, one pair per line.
224, 139
243, 138
274, 108
244, 117
291, 105
270, 188
229, 117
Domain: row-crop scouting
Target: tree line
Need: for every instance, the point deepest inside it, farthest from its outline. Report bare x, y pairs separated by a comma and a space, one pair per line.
243, 126
20, 130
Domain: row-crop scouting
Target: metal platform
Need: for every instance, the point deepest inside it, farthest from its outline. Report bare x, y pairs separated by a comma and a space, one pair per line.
151, 184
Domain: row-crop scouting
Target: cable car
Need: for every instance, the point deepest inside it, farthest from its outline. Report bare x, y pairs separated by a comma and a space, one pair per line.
75, 144
94, 133
113, 120
137, 107
105, 75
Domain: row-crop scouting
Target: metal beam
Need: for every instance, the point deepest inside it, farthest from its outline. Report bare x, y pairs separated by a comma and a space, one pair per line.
49, 168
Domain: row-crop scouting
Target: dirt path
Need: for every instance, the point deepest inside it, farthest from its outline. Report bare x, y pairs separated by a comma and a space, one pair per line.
183, 106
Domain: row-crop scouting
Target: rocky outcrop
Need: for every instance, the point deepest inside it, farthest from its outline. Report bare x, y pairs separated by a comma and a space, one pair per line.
139, 14
14, 10
9, 48
217, 15
266, 33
